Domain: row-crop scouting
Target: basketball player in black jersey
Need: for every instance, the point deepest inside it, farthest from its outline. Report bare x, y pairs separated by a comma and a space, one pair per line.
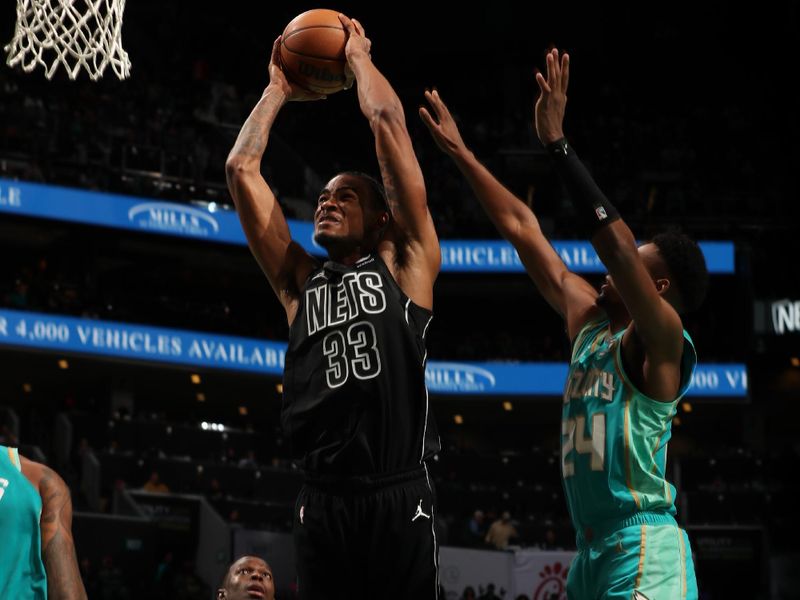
355, 403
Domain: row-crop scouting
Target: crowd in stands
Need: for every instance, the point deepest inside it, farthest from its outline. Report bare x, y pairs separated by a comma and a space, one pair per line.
501, 497
166, 134
92, 275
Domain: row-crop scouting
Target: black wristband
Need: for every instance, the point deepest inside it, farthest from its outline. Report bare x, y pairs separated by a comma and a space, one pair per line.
594, 209
558, 148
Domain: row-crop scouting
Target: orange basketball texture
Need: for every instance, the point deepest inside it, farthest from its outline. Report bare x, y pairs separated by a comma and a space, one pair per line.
312, 51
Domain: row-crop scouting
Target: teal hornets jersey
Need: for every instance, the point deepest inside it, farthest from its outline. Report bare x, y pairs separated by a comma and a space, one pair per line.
22, 574
613, 437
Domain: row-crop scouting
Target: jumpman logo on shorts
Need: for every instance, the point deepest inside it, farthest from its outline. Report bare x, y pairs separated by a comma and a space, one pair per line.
637, 595
419, 512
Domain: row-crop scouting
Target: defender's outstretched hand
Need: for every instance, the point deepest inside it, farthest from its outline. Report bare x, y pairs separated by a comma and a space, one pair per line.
552, 102
443, 128
277, 77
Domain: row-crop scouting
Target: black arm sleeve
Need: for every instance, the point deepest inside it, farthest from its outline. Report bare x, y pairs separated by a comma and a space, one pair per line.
594, 209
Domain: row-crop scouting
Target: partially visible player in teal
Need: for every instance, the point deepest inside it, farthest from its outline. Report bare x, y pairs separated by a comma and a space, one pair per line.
631, 363
37, 555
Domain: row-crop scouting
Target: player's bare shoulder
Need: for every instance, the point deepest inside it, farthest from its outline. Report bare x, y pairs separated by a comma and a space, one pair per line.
42, 477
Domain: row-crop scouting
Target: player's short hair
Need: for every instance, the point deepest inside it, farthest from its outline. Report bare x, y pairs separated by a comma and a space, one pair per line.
375, 186
686, 265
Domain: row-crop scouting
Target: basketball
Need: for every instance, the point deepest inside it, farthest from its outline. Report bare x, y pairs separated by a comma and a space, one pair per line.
312, 51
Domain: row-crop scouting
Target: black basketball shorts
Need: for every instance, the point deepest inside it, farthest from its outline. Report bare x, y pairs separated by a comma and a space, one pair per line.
367, 538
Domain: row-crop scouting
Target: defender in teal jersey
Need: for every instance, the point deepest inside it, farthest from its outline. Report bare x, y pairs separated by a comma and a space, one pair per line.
631, 363
37, 556
613, 461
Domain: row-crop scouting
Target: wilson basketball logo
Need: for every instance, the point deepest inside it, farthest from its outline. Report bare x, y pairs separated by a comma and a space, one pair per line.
319, 73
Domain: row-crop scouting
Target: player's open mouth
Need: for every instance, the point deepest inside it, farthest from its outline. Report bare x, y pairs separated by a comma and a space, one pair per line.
327, 219
256, 591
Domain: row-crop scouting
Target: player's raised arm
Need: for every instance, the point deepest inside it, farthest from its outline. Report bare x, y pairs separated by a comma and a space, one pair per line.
284, 261
656, 322
567, 293
417, 248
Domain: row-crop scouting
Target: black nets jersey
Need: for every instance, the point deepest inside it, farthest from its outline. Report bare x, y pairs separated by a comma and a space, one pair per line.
355, 401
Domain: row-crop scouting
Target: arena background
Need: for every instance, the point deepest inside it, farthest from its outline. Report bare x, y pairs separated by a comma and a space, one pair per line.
685, 113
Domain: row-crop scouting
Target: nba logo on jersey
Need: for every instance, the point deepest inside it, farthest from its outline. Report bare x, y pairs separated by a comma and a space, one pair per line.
3, 486
601, 213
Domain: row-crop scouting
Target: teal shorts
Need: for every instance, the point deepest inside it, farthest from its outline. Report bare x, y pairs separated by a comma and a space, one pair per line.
644, 557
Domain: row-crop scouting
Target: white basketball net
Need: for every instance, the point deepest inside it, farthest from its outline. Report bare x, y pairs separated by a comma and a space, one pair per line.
74, 33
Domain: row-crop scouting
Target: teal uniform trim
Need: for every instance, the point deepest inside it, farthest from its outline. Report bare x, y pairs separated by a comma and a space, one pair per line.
22, 572
654, 560
14, 454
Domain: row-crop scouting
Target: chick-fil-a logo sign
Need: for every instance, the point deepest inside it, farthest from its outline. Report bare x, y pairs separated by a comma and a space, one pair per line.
553, 583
